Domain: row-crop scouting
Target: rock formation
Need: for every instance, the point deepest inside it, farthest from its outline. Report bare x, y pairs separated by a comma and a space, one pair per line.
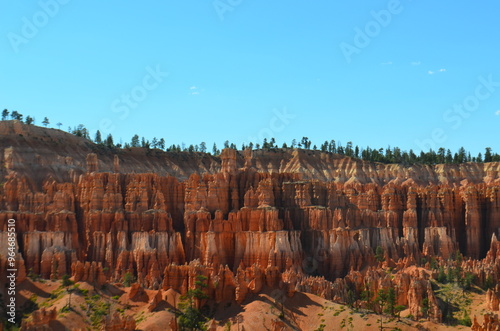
493, 298
297, 220
40, 320
490, 323
116, 322
137, 293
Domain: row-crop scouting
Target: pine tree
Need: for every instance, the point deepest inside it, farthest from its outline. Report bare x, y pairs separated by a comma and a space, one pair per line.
154, 142
80, 131
441, 155
190, 317
29, 120
306, 142
324, 146
161, 144
45, 122
98, 138
66, 282
379, 254
462, 156
5, 114
135, 141
109, 141
348, 149
15, 115
265, 144
203, 147
487, 155
332, 147
449, 157
272, 142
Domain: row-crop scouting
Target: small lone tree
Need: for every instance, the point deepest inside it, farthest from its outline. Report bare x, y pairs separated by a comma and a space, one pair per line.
59, 125
135, 141
351, 298
366, 295
466, 281
154, 143
203, 147
391, 301
128, 279
66, 282
29, 120
190, 317
109, 141
161, 144
5, 114
397, 311
45, 122
382, 298
379, 254
15, 115
80, 131
487, 155
98, 138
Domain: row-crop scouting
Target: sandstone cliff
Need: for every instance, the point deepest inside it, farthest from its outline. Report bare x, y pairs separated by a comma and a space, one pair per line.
296, 220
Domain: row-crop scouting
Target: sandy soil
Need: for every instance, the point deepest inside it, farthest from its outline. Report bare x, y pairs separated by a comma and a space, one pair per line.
303, 311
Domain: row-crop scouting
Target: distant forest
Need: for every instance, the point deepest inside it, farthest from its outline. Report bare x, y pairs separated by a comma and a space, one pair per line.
383, 155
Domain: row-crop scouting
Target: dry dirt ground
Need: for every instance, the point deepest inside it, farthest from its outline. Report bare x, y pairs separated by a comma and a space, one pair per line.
303, 311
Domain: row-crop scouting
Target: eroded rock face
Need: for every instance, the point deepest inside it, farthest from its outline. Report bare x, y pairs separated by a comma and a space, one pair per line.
493, 298
490, 323
157, 298
295, 220
137, 293
5, 253
116, 322
40, 320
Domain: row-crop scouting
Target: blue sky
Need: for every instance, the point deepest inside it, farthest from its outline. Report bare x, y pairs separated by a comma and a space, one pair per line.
413, 74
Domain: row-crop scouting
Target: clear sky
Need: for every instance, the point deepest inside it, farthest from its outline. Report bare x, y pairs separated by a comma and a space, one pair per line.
402, 73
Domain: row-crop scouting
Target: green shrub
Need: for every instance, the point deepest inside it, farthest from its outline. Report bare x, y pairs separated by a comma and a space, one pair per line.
466, 321
128, 279
66, 281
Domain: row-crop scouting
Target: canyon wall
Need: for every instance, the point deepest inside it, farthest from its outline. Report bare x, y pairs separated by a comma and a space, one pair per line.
292, 220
